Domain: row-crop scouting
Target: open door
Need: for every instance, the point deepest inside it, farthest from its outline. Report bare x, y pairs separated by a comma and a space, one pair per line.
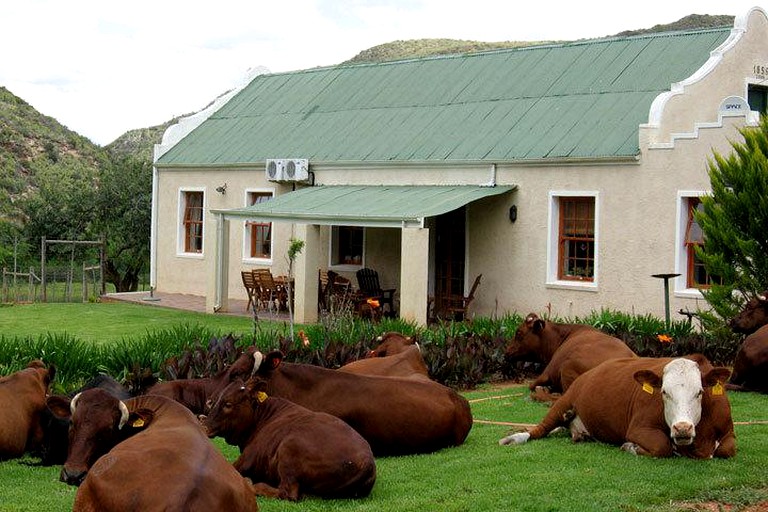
450, 255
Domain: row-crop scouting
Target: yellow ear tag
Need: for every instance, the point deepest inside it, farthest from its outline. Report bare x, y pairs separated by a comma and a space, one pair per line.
647, 388
261, 396
717, 389
138, 422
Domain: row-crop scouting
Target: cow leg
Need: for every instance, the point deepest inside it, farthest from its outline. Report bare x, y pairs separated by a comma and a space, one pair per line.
264, 489
726, 447
649, 442
560, 414
579, 431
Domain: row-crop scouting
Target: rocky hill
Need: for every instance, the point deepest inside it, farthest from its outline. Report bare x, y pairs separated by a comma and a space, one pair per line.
27, 136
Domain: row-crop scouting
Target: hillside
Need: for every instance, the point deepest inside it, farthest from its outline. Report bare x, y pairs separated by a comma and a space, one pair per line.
26, 136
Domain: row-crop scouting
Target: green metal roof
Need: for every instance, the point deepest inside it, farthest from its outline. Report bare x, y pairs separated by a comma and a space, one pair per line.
377, 205
578, 100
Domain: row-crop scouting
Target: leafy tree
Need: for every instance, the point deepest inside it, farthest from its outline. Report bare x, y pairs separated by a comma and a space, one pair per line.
734, 220
123, 215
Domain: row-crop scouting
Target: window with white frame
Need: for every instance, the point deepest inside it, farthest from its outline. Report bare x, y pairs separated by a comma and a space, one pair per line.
347, 243
192, 217
258, 234
572, 250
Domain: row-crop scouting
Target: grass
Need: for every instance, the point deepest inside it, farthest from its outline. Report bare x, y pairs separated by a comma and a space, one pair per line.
552, 474
108, 322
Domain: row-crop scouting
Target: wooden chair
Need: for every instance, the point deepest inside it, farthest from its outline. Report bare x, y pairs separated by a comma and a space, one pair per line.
457, 306
251, 288
334, 290
368, 282
269, 291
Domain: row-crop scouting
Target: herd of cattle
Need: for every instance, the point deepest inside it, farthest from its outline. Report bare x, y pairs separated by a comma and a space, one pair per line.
303, 429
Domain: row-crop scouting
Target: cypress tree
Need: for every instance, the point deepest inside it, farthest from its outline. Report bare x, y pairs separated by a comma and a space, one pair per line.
734, 221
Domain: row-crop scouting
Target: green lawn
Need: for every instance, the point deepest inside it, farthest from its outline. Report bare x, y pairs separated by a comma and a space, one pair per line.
552, 474
110, 321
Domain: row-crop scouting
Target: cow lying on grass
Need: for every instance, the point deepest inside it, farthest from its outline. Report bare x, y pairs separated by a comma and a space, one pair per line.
750, 367
56, 430
22, 402
391, 343
568, 350
648, 406
147, 453
407, 364
396, 416
288, 450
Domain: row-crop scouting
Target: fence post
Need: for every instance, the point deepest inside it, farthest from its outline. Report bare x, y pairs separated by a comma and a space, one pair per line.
42, 269
4, 286
85, 286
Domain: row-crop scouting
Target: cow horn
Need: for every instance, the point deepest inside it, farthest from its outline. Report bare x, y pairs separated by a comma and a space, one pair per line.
762, 298
258, 357
123, 414
73, 403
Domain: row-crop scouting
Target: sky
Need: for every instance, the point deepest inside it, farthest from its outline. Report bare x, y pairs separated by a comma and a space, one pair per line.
102, 68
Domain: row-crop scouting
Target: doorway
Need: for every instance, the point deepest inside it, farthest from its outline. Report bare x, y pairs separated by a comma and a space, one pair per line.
450, 255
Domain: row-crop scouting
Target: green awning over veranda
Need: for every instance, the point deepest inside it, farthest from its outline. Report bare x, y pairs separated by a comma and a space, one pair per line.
365, 205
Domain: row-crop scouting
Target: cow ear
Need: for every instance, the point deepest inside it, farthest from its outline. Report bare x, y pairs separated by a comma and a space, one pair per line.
274, 359
59, 406
139, 420
538, 325
715, 377
648, 380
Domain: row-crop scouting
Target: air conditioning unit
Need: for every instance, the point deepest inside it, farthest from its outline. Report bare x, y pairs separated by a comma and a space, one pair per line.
275, 169
296, 169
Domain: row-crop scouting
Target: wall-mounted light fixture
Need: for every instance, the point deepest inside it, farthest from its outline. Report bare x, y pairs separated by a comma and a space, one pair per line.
222, 189
513, 213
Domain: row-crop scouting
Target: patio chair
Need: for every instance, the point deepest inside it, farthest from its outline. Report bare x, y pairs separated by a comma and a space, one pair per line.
334, 290
368, 282
457, 306
251, 288
270, 293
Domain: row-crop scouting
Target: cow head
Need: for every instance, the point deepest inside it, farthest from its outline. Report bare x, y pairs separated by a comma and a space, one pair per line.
264, 364
753, 316
231, 415
99, 421
682, 386
389, 344
529, 338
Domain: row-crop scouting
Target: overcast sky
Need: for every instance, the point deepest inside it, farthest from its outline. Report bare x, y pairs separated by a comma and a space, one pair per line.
105, 67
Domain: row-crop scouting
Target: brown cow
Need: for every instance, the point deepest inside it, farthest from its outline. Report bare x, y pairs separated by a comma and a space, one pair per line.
147, 453
22, 402
649, 406
408, 364
568, 350
194, 394
391, 343
288, 450
750, 367
395, 416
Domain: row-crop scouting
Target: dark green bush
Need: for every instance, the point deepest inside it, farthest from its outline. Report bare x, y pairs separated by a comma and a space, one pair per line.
458, 354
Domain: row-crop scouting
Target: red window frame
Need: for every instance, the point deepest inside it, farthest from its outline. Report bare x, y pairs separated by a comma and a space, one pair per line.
576, 239
193, 222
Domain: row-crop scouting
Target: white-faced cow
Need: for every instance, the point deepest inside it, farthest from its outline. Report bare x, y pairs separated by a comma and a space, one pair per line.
396, 416
22, 402
750, 367
568, 350
287, 450
147, 453
648, 406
